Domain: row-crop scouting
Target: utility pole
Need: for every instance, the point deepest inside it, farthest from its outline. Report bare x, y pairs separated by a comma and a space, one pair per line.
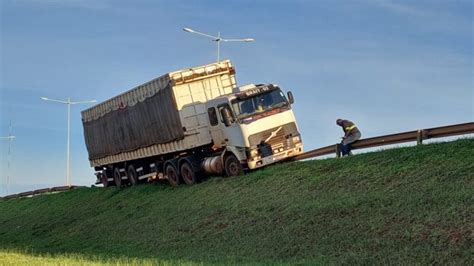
10, 138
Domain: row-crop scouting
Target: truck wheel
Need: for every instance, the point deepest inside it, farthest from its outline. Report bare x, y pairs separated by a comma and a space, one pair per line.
104, 180
188, 174
172, 174
117, 177
232, 166
132, 175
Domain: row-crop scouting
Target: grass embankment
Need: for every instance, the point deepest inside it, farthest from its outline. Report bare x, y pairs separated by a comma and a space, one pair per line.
405, 205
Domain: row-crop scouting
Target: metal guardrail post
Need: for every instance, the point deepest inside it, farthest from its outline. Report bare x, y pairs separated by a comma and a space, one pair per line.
338, 150
419, 137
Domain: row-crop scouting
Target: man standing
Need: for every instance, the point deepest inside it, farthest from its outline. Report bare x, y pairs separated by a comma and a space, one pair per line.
351, 135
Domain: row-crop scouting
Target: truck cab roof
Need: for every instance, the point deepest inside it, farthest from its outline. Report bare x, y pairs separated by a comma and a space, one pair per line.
247, 91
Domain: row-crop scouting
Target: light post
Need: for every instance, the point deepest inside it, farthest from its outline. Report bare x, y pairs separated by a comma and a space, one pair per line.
68, 102
218, 39
10, 138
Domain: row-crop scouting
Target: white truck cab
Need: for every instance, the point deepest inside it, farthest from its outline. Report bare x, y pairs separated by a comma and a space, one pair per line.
255, 123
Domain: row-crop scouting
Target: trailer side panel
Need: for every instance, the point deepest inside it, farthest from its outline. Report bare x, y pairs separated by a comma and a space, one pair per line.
162, 116
152, 121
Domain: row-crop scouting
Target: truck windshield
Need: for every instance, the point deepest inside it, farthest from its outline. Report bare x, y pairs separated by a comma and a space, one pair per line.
259, 103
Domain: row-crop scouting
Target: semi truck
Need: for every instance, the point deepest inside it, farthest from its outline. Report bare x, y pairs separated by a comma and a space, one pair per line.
187, 124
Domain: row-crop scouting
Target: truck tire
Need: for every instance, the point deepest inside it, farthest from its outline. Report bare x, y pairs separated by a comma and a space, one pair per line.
132, 175
172, 175
117, 177
188, 174
232, 166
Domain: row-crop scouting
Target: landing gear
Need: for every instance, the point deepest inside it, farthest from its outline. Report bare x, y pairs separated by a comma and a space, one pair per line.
104, 180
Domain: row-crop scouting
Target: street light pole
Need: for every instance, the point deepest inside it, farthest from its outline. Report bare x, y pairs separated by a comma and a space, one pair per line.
218, 39
68, 177
218, 46
68, 102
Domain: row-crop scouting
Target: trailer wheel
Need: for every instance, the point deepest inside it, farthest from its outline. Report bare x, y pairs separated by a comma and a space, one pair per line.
172, 174
188, 174
104, 180
117, 177
232, 166
132, 175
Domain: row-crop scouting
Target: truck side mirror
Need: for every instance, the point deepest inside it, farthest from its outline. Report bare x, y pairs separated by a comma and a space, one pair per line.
291, 99
227, 116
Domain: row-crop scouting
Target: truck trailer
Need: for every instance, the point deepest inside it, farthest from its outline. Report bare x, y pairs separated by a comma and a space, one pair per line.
190, 123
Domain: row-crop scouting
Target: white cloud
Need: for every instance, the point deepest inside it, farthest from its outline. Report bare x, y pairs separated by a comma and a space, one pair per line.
401, 8
86, 4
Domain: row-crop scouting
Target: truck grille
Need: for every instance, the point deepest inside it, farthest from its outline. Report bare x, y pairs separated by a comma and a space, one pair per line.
282, 138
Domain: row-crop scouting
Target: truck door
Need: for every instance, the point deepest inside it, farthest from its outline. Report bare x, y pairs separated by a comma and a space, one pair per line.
225, 131
231, 130
215, 128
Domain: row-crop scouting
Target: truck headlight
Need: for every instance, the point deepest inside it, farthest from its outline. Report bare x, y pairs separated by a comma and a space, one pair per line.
296, 139
254, 153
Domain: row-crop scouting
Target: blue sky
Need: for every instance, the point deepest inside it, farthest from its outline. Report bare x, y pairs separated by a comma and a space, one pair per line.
389, 66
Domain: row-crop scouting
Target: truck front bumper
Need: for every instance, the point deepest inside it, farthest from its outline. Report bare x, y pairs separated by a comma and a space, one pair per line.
260, 162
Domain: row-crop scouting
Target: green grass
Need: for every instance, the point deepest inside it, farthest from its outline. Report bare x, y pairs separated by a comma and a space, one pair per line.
12, 257
400, 206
